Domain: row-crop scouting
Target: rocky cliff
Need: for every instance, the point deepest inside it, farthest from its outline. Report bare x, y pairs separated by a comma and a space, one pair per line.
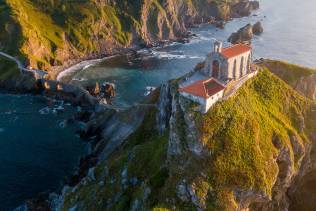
248, 152
302, 79
53, 34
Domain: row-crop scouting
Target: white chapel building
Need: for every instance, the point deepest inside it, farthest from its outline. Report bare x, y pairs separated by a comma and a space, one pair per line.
222, 66
229, 63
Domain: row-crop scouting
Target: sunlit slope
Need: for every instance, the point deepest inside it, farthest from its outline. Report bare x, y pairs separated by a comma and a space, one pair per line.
51, 33
241, 140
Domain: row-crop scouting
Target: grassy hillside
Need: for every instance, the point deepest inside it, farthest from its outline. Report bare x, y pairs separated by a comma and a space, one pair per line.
290, 73
8, 69
302, 79
245, 135
241, 139
49, 33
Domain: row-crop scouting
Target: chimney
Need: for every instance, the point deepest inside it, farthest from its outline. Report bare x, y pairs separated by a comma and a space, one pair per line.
217, 46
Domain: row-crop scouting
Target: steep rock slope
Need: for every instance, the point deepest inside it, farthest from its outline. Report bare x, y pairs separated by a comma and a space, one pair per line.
302, 79
54, 33
301, 193
244, 153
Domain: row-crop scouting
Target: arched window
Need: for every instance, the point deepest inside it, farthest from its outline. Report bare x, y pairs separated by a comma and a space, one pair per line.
249, 64
215, 69
241, 67
234, 69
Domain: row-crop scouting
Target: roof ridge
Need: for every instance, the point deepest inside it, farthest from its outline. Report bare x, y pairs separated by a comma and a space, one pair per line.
205, 81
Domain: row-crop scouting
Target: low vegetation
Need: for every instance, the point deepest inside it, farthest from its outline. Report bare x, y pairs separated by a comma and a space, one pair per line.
239, 134
290, 73
48, 33
8, 69
241, 138
127, 176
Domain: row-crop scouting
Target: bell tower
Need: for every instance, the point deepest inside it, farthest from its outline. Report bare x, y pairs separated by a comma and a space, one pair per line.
217, 46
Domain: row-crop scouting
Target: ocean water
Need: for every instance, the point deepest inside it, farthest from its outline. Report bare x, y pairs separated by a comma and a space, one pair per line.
38, 149
38, 152
290, 34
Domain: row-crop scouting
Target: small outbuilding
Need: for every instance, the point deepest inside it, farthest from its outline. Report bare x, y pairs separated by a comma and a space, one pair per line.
205, 92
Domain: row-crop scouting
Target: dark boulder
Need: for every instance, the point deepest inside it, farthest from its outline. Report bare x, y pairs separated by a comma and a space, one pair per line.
243, 35
244, 8
246, 33
220, 24
109, 90
257, 29
105, 91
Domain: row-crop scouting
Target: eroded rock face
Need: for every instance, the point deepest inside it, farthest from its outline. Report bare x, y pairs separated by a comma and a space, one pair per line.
301, 194
244, 8
145, 23
164, 108
257, 28
243, 35
307, 86
246, 33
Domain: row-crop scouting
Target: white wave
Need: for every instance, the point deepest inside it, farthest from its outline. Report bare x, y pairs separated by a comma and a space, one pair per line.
44, 111
80, 66
144, 50
196, 57
79, 79
87, 66
59, 108
149, 89
169, 56
174, 44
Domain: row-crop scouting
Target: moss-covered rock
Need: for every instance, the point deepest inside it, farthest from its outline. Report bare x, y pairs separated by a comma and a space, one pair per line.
54, 33
244, 153
302, 79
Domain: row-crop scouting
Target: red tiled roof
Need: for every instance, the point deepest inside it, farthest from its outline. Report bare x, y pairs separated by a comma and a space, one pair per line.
235, 50
203, 88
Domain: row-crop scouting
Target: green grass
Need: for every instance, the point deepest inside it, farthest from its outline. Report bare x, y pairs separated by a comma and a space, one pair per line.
43, 31
290, 73
242, 137
239, 133
8, 69
143, 156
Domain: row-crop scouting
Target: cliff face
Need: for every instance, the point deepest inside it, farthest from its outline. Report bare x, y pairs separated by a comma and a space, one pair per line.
302, 79
301, 192
54, 33
246, 153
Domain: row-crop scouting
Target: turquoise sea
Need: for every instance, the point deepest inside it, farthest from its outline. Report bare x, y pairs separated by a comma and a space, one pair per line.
38, 152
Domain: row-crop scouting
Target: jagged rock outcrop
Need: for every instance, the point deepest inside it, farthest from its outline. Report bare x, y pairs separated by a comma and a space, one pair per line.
307, 86
246, 33
243, 35
55, 34
302, 79
257, 28
300, 194
228, 159
244, 8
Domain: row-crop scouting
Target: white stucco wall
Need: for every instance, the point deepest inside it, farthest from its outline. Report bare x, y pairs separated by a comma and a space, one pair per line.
212, 100
194, 98
238, 65
227, 66
205, 104
223, 65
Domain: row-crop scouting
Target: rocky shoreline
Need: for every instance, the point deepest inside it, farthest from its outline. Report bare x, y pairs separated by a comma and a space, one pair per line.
240, 9
95, 124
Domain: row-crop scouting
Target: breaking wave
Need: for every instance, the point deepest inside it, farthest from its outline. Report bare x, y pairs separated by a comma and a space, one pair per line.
80, 66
